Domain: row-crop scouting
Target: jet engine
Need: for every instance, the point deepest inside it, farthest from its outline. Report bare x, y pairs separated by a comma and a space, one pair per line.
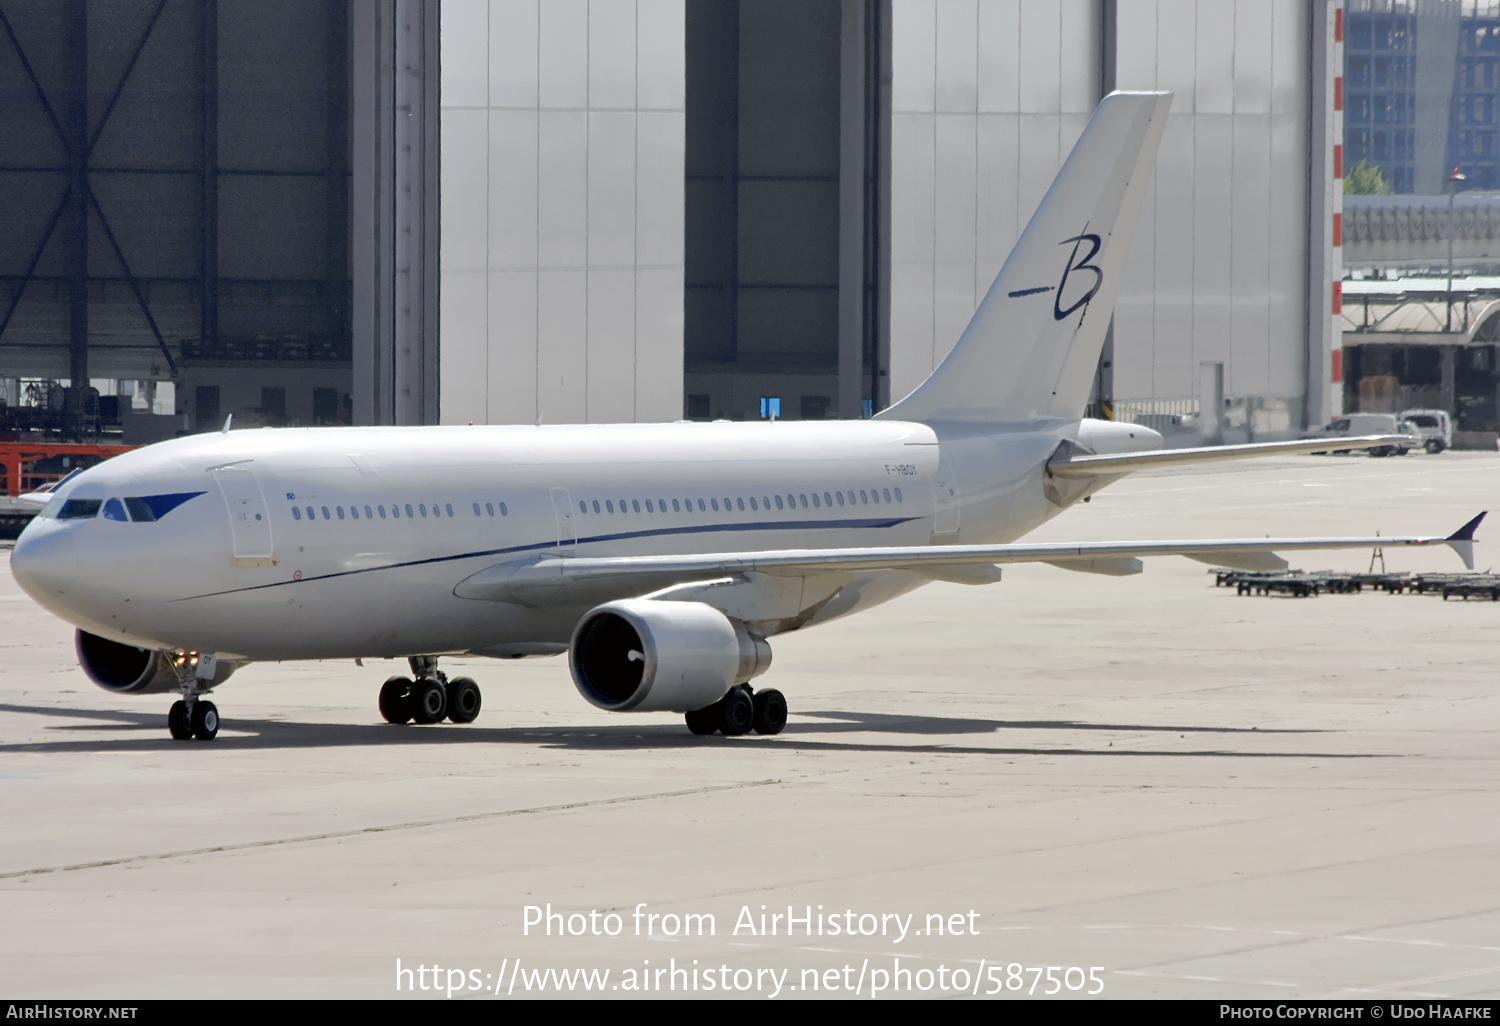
645, 655
125, 669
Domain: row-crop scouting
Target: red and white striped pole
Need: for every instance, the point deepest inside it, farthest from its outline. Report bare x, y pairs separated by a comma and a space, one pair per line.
1336, 207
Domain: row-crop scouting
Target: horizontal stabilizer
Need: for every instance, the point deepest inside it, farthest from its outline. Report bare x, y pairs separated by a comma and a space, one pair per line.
1125, 462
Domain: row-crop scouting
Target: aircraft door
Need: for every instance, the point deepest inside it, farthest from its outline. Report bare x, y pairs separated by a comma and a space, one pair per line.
945, 497
249, 518
562, 507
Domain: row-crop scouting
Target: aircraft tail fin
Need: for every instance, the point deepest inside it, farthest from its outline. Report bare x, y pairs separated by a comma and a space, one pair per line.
1032, 346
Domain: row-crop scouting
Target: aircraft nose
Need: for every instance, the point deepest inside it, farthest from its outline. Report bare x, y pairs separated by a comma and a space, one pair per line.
44, 561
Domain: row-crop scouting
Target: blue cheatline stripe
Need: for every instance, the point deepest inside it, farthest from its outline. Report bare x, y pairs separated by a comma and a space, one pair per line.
788, 525
161, 505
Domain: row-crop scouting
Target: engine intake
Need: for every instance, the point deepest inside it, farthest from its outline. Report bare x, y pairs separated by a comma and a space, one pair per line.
645, 655
125, 669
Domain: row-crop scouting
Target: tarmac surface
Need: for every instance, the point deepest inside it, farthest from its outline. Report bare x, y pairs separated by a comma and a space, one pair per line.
1206, 795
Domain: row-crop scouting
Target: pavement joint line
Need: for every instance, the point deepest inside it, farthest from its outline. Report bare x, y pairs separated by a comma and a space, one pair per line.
388, 828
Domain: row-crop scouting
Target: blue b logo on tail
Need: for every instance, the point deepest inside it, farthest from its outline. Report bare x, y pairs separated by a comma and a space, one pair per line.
1076, 264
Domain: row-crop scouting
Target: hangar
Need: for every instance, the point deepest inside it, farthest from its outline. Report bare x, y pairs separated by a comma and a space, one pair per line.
509, 211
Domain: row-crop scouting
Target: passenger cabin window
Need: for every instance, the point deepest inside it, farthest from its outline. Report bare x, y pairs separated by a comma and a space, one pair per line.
409, 513
448, 508
296, 513
503, 512
340, 511
368, 514
325, 513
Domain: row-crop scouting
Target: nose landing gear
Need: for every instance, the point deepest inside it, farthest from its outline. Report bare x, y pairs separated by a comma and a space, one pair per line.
429, 698
741, 710
193, 717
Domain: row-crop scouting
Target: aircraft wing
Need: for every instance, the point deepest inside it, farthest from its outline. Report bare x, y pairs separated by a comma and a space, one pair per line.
565, 580
1123, 463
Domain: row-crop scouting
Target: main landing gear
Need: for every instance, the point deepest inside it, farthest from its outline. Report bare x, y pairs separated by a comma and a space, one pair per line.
741, 710
429, 698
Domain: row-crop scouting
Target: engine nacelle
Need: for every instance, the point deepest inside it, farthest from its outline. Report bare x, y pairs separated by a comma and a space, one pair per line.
125, 669
644, 655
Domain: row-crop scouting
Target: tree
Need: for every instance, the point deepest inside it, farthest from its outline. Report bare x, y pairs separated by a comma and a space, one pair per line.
1366, 181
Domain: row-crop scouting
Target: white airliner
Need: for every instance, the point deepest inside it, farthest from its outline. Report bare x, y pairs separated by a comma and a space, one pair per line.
660, 557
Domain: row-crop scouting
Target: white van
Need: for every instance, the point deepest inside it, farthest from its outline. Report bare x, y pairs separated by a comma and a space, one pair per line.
1434, 427
1355, 425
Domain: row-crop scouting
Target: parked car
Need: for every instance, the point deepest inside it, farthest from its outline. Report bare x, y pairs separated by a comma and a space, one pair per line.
1356, 425
1433, 427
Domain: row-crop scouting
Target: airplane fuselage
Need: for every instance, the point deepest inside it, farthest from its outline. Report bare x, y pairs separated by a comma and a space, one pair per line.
334, 543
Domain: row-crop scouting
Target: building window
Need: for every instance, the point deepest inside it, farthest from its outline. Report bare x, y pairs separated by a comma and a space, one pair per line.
770, 406
325, 406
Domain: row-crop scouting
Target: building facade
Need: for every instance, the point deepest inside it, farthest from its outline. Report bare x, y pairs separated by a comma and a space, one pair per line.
548, 211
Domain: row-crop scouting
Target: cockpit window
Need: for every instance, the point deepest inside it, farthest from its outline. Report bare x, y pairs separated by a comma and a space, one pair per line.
139, 511
113, 510
50, 511
80, 509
